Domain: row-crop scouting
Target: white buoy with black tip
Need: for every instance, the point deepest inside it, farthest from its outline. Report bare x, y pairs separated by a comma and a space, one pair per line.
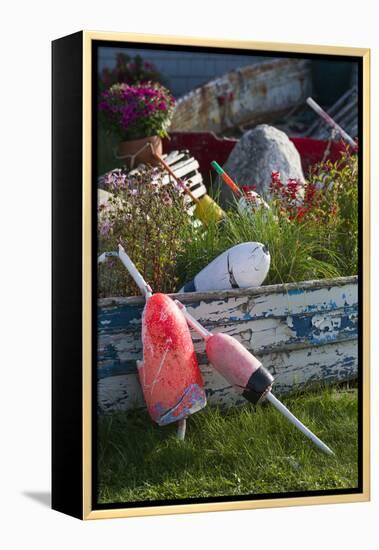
242, 266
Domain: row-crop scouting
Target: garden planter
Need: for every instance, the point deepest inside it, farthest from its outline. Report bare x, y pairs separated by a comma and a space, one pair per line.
304, 333
138, 151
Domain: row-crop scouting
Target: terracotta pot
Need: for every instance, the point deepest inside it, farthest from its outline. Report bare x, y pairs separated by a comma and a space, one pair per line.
136, 151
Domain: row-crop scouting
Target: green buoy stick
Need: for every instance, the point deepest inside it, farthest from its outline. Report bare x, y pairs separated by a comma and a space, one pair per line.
227, 179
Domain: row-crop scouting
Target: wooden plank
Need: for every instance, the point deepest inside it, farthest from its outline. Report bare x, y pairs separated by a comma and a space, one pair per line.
198, 191
181, 164
119, 350
186, 168
302, 369
286, 288
190, 182
195, 180
309, 329
237, 305
174, 156
187, 160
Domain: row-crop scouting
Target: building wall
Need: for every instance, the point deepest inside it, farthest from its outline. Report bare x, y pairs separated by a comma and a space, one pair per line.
183, 70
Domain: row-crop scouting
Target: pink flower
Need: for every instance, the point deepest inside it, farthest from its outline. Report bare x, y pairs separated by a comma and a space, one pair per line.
105, 228
166, 199
137, 111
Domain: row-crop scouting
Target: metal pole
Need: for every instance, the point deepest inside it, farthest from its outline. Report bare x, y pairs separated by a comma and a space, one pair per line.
105, 255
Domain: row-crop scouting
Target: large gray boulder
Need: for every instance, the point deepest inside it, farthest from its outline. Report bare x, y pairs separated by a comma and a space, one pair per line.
258, 153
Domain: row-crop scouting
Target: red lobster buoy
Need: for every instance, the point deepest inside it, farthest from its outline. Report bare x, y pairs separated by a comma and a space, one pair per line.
169, 373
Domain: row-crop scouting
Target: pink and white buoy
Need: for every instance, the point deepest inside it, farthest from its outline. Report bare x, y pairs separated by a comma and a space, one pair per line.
237, 365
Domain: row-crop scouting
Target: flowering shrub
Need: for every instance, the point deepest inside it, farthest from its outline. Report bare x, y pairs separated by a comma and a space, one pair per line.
129, 70
323, 194
330, 199
310, 229
134, 112
286, 196
150, 221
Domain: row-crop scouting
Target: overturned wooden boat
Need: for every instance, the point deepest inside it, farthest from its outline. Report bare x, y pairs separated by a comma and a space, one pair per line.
304, 333
248, 95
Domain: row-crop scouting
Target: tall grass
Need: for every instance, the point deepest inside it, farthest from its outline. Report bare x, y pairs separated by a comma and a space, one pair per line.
298, 251
339, 207
170, 250
321, 243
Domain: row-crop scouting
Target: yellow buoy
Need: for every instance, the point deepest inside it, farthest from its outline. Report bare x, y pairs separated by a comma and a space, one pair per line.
208, 210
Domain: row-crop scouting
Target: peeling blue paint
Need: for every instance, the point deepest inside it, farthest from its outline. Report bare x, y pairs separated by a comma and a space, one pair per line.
128, 318
301, 325
115, 368
116, 318
305, 327
295, 292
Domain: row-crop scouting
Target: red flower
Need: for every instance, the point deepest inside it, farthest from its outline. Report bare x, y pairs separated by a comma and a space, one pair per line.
247, 188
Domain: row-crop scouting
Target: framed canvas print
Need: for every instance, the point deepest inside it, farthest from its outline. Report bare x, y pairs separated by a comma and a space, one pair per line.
210, 275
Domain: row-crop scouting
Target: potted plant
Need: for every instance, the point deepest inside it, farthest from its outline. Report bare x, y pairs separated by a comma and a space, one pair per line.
139, 115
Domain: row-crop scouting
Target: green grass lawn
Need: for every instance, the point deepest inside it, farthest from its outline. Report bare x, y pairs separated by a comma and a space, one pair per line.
242, 451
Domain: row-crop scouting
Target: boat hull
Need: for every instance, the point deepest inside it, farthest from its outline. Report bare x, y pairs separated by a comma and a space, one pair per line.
248, 95
304, 333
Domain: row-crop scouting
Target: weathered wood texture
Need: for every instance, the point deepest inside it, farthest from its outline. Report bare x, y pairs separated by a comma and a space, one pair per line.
304, 333
251, 94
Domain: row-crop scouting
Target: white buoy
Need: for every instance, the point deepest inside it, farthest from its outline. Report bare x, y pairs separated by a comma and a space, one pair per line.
242, 266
